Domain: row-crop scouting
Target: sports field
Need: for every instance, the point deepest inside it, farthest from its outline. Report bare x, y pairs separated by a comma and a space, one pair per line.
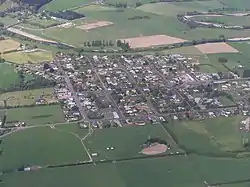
8, 45
22, 57
29, 97
36, 115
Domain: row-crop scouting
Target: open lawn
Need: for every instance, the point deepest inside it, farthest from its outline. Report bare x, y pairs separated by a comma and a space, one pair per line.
8, 45
8, 76
22, 57
210, 136
41, 146
177, 171
29, 97
128, 137
36, 115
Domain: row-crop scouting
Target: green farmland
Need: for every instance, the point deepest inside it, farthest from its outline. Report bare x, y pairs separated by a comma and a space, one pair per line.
227, 20
214, 136
36, 115
21, 57
41, 146
178, 171
8, 76
28, 97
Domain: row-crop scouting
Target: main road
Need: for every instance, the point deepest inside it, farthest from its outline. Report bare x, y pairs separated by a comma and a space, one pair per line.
71, 89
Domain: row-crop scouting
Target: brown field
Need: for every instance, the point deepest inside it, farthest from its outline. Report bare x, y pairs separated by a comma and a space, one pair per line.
212, 48
94, 25
155, 149
149, 41
8, 45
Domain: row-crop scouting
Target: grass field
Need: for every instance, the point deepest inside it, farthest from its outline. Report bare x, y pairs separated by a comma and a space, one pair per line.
8, 76
41, 146
210, 136
36, 115
227, 20
173, 8
58, 5
178, 171
21, 57
33, 147
119, 138
43, 22
28, 97
240, 4
8, 45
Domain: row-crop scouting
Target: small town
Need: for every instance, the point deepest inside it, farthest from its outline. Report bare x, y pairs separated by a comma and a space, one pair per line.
115, 91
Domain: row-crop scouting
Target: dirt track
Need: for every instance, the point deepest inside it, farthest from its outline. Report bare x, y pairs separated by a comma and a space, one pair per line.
34, 37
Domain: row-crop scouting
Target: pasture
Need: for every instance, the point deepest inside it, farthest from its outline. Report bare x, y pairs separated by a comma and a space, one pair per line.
8, 76
8, 45
37, 115
227, 20
179, 171
240, 4
128, 137
212, 136
22, 57
126, 24
171, 9
41, 146
59, 5
29, 97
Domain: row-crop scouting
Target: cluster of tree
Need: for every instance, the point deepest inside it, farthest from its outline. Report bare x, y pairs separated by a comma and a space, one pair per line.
98, 43
124, 45
67, 14
222, 60
139, 17
35, 83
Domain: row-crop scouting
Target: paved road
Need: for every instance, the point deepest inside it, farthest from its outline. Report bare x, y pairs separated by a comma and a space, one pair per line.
71, 89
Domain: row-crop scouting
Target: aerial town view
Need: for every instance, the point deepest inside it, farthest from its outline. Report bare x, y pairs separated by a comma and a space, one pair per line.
122, 93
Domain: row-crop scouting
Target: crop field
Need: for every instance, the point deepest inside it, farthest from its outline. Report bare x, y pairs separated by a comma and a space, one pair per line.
211, 48
210, 136
8, 76
41, 146
22, 57
29, 97
36, 115
8, 45
177, 171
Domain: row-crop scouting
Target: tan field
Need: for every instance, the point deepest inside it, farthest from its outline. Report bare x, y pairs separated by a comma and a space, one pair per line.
212, 48
155, 149
94, 25
149, 41
8, 45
